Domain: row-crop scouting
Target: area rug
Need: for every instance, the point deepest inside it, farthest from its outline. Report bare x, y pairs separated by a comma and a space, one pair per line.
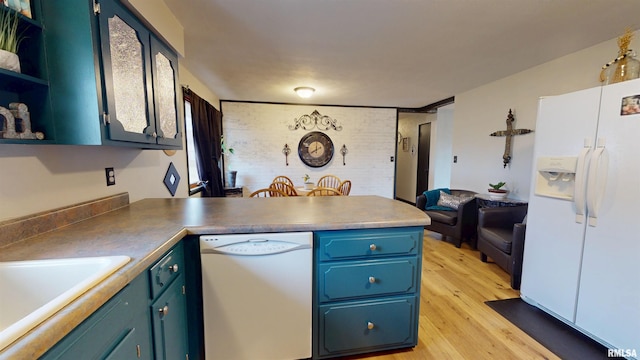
552, 333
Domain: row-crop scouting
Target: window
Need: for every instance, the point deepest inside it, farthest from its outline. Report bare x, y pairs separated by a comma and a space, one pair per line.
194, 177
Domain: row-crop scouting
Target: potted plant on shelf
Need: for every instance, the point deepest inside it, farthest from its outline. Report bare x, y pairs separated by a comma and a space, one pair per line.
231, 178
308, 185
496, 190
10, 39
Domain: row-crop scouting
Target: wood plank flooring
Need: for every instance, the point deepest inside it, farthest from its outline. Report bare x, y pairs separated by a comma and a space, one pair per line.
454, 321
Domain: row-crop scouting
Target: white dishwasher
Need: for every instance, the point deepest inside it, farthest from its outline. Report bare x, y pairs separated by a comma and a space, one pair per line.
256, 292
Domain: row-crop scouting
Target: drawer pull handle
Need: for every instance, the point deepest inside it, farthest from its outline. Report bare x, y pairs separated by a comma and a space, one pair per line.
370, 325
164, 310
173, 268
372, 280
372, 247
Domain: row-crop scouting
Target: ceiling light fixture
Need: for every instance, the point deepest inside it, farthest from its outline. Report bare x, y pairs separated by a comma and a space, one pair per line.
304, 91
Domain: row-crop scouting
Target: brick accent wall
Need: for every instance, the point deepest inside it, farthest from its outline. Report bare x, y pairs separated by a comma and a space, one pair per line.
258, 132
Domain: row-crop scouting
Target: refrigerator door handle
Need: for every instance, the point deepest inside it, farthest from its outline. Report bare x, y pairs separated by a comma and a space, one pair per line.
581, 181
597, 181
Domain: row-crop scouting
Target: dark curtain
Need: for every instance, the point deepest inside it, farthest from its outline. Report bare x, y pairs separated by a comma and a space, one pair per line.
207, 132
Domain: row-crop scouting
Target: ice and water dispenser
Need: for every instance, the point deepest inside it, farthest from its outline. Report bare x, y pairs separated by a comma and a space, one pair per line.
556, 177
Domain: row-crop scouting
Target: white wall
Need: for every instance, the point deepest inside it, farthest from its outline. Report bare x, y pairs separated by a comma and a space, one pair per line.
441, 149
483, 110
258, 132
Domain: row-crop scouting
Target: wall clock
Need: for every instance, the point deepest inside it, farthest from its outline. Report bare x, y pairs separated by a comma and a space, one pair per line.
315, 149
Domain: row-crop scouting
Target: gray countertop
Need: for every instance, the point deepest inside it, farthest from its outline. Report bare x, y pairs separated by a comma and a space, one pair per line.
146, 229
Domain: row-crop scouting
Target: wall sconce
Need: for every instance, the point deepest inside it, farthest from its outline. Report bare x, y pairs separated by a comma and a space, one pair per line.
343, 151
304, 91
286, 150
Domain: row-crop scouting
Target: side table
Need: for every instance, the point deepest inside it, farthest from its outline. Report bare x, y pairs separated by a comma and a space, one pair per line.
233, 192
486, 201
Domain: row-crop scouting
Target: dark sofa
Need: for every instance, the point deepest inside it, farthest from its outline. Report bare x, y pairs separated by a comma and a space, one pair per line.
459, 225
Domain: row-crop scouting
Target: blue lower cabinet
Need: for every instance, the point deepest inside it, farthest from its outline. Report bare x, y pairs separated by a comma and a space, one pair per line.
143, 321
118, 330
169, 317
367, 290
356, 327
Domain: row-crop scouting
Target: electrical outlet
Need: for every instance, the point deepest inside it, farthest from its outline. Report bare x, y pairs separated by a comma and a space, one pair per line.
455, 159
391, 158
110, 175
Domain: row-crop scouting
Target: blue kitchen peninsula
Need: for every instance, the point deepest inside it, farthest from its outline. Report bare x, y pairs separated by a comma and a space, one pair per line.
355, 236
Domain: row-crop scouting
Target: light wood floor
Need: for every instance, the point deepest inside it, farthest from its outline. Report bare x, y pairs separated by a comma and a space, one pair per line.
454, 321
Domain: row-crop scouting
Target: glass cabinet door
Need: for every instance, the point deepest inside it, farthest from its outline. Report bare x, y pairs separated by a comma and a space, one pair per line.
127, 76
165, 80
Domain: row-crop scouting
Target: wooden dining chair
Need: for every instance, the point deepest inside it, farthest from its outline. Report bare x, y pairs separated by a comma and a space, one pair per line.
329, 181
268, 192
284, 179
345, 187
284, 187
324, 191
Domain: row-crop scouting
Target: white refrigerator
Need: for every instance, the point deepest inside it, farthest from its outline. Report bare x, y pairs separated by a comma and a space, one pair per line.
582, 247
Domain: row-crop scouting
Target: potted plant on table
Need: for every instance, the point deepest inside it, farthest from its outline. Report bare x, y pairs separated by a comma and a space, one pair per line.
496, 190
308, 185
10, 39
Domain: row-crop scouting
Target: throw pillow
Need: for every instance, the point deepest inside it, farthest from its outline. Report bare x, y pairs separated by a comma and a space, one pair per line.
453, 201
433, 196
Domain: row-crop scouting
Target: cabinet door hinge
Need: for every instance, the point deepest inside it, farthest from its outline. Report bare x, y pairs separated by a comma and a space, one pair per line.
96, 7
105, 119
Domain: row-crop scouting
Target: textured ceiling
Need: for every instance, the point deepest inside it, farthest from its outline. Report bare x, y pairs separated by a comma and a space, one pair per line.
397, 53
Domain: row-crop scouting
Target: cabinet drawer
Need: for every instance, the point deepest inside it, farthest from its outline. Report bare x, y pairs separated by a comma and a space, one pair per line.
338, 245
166, 269
374, 325
353, 279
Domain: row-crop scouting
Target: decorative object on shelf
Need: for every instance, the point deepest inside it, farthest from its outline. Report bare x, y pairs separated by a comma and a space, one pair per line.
308, 185
496, 191
315, 149
17, 123
315, 120
21, 6
286, 150
172, 179
625, 66
509, 133
231, 179
10, 40
344, 152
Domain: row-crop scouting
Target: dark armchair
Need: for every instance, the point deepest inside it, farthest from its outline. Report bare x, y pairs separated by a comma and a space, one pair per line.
501, 237
460, 225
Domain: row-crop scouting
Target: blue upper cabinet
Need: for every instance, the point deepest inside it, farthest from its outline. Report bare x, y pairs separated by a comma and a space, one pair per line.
112, 81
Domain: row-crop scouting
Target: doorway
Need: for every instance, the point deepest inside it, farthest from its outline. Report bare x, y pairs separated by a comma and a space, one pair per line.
424, 152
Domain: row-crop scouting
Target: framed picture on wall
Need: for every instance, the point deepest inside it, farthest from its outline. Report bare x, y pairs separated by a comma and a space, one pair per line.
21, 6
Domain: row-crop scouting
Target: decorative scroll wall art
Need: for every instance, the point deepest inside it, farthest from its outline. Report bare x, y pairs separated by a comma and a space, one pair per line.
315, 120
509, 133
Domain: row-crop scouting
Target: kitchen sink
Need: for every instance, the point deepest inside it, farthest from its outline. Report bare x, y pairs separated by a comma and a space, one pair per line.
31, 291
